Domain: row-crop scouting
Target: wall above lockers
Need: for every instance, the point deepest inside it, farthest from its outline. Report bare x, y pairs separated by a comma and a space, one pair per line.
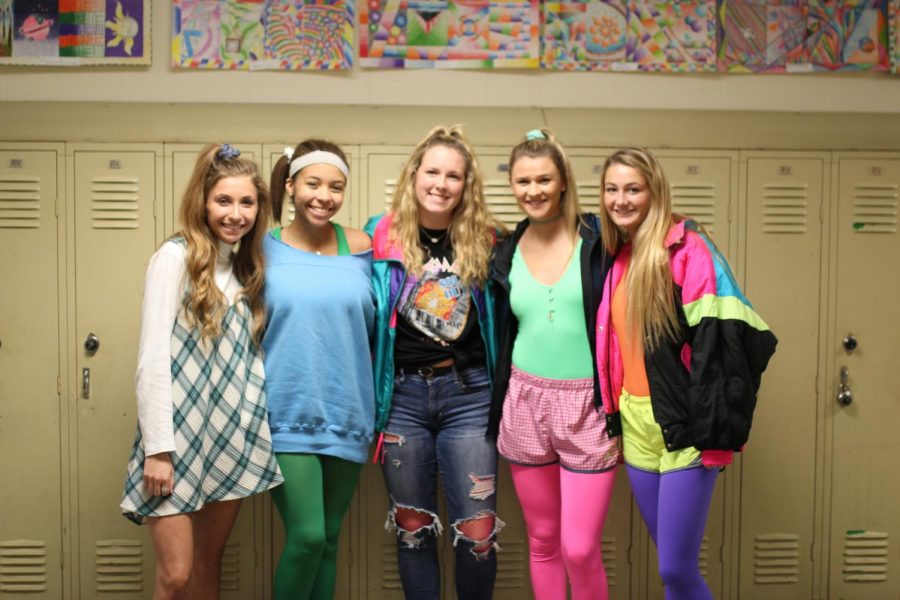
392, 125
820, 92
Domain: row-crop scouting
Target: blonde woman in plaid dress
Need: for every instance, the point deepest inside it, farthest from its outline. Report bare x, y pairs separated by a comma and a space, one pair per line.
203, 441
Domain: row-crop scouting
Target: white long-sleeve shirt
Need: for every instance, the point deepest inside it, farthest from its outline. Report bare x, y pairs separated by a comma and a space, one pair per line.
164, 290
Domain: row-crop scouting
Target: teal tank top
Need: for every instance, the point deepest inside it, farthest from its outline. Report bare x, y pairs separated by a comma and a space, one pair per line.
552, 341
343, 246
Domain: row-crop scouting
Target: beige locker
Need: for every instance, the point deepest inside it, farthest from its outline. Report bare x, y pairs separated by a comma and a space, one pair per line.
247, 553
351, 212
117, 195
784, 203
31, 538
865, 482
703, 188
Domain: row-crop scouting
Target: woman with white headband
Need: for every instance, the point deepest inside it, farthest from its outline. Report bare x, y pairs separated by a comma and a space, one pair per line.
318, 363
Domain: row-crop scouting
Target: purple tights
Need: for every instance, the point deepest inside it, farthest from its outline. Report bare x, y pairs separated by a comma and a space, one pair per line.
674, 506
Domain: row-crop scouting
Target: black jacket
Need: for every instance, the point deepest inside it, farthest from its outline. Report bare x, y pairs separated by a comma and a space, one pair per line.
595, 262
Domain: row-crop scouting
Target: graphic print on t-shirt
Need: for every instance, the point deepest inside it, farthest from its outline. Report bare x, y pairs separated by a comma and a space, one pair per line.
437, 304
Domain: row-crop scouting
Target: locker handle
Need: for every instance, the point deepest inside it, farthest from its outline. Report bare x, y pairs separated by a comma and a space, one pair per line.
86, 383
845, 396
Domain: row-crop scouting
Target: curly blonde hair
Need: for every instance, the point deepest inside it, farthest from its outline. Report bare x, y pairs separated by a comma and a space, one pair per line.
205, 303
650, 290
472, 229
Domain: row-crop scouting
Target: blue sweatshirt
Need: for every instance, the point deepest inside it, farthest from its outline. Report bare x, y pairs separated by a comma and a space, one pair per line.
321, 315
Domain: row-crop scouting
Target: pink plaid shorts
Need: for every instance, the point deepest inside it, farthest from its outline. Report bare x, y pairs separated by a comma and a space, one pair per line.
546, 421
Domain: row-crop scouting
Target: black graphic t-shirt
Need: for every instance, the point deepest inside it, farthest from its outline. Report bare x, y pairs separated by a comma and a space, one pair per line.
437, 318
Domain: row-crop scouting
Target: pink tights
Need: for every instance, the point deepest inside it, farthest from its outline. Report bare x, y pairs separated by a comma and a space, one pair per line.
564, 513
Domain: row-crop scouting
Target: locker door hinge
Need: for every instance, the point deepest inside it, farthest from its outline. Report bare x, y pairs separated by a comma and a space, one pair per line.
56, 207
821, 212
58, 386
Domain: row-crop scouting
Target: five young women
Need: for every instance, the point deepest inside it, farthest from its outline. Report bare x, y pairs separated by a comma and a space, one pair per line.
202, 442
635, 324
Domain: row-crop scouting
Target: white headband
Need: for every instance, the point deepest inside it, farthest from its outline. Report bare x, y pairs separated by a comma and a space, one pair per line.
319, 157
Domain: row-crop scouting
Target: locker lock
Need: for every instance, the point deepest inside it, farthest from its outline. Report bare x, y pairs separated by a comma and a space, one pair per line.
91, 344
850, 342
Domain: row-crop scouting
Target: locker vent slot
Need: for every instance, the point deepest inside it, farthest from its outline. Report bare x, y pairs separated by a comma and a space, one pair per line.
389, 186
785, 208
20, 206
609, 559
704, 557
776, 558
875, 209
120, 566
23, 566
589, 195
390, 573
512, 566
697, 201
230, 577
114, 202
502, 202
865, 556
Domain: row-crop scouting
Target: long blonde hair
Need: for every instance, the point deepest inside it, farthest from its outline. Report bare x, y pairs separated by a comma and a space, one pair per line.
205, 304
472, 226
548, 146
651, 313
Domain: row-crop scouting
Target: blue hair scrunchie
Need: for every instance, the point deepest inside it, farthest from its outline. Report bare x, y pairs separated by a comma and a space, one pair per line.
535, 134
227, 151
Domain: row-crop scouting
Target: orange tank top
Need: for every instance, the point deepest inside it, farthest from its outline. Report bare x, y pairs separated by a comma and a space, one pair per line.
635, 373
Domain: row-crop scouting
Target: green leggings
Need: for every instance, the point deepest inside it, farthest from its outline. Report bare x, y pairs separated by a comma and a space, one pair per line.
312, 501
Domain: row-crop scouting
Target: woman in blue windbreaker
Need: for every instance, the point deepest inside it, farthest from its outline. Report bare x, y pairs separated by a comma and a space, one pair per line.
433, 360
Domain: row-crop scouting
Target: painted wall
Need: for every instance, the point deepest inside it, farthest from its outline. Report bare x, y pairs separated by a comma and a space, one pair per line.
877, 93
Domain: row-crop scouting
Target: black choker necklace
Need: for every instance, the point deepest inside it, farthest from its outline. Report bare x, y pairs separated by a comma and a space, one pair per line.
433, 235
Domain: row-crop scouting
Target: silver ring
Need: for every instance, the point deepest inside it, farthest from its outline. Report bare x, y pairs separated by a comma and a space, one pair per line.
165, 491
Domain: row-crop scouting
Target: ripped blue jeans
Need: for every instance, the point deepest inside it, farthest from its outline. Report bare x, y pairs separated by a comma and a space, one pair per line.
437, 425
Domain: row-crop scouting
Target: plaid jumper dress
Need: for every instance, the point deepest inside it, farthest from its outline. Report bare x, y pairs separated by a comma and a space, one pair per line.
223, 448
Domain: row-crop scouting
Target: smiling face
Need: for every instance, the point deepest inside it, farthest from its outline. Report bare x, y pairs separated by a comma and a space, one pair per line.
439, 184
538, 187
626, 197
318, 193
231, 208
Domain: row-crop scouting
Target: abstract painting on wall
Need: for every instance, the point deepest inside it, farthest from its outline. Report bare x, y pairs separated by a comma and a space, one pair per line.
620, 35
74, 32
795, 36
449, 33
257, 34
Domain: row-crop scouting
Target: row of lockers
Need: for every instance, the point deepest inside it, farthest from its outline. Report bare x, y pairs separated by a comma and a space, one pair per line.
805, 513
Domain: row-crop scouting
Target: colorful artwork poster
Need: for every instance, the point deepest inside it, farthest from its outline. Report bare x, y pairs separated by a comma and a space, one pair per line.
603, 35
765, 36
447, 34
257, 34
74, 32
894, 31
